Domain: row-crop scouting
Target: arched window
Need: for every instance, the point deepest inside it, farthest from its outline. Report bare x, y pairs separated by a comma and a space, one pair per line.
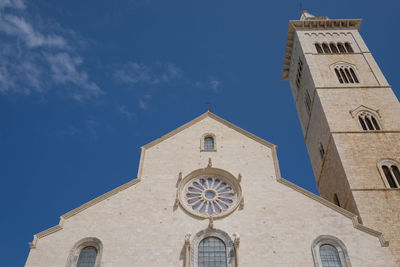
212, 248
326, 49
329, 251
368, 121
212, 252
329, 256
87, 257
346, 74
208, 143
341, 48
348, 47
86, 253
319, 48
333, 48
391, 173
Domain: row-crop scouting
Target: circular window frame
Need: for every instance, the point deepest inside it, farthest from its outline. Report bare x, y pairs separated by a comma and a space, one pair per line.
224, 176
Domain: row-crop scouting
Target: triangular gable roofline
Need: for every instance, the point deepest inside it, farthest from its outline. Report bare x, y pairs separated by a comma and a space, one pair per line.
348, 214
209, 114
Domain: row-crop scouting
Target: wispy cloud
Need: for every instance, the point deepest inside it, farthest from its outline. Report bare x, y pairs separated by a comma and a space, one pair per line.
64, 69
134, 73
125, 112
17, 4
143, 105
34, 61
20, 28
214, 84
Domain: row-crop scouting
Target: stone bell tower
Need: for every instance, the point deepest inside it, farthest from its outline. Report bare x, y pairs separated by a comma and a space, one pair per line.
350, 119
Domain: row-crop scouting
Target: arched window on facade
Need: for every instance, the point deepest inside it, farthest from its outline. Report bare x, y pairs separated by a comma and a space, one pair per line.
329, 251
209, 143
341, 48
212, 252
87, 257
368, 121
391, 173
213, 248
86, 253
319, 48
333, 48
326, 49
346, 74
348, 47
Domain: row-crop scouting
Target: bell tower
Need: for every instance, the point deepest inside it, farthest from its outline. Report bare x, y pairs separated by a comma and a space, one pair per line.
350, 119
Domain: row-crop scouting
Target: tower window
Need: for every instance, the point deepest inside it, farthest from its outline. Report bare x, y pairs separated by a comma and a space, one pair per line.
390, 170
368, 121
307, 101
321, 151
346, 74
326, 49
319, 48
333, 48
341, 48
299, 73
348, 47
212, 252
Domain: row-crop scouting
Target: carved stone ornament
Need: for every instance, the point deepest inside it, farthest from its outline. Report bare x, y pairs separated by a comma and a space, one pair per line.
209, 192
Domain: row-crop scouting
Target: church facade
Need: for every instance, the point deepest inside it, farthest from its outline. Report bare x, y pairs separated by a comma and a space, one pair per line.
210, 194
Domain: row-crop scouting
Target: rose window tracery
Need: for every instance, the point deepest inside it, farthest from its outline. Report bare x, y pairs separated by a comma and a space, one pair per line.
210, 195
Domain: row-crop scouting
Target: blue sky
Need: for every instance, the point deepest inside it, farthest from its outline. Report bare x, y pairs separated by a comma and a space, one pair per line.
84, 84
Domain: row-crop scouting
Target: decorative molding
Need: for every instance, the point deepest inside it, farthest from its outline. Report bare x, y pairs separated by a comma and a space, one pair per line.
224, 237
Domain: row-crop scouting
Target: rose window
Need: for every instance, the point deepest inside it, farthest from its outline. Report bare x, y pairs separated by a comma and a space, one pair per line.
210, 195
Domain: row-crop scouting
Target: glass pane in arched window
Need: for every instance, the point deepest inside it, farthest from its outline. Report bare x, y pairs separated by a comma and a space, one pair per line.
87, 257
362, 123
208, 143
212, 253
329, 256
389, 176
375, 123
396, 173
338, 76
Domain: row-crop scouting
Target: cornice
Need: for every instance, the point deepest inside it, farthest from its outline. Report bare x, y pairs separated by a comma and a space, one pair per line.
313, 24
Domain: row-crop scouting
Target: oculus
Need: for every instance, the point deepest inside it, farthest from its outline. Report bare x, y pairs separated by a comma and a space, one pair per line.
209, 192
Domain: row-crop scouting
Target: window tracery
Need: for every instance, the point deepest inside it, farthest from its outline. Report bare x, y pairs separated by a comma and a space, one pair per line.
390, 171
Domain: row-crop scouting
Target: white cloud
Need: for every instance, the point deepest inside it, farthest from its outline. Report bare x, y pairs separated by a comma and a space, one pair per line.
18, 27
124, 111
38, 61
214, 84
134, 73
64, 69
17, 4
143, 105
